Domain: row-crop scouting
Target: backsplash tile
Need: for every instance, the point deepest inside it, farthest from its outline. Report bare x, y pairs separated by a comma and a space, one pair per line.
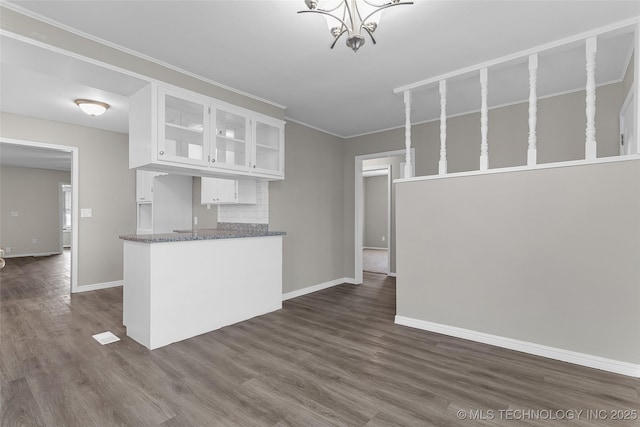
258, 213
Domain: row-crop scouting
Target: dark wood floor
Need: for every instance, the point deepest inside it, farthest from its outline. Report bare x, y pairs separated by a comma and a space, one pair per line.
334, 357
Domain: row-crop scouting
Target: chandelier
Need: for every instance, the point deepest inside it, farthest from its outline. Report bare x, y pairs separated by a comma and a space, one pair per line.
354, 17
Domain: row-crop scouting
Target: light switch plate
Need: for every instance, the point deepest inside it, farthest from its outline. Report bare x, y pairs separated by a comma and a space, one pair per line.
14, 213
86, 213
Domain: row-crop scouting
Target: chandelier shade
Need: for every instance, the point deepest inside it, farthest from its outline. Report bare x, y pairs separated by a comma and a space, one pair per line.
353, 17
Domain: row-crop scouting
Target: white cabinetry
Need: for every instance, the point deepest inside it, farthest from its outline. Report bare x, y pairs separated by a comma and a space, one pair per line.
217, 191
268, 154
183, 132
168, 208
178, 131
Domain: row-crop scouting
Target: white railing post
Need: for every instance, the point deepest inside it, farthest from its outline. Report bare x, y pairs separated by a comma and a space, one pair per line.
590, 144
442, 165
484, 120
408, 173
532, 152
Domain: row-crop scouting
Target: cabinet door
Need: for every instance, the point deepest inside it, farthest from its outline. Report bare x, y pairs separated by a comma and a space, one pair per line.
183, 127
215, 191
232, 139
268, 145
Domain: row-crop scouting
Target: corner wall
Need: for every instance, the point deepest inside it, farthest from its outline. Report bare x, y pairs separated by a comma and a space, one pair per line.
105, 184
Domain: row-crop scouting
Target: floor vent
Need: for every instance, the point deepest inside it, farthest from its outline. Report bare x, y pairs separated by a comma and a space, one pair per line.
105, 338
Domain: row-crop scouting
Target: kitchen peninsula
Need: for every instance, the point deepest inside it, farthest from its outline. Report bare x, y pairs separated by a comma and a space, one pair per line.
182, 284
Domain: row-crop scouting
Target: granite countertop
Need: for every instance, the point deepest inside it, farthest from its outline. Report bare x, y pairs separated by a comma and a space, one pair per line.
223, 231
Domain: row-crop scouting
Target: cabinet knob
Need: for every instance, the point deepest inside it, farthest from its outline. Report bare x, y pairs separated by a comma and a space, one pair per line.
254, 166
213, 160
162, 153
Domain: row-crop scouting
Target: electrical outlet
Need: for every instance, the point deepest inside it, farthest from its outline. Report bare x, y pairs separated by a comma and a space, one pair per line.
14, 213
195, 220
384, 238
8, 249
34, 241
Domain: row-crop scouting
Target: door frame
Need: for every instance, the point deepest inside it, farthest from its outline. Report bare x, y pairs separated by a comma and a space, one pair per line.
359, 206
74, 197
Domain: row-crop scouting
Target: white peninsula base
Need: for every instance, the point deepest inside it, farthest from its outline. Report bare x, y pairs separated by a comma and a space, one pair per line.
177, 290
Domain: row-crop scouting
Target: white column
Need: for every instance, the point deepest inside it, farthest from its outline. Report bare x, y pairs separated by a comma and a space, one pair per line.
484, 120
532, 152
442, 165
590, 144
408, 173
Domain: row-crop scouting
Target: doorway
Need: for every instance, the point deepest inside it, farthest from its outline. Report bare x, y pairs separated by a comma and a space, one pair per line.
377, 217
22, 154
393, 158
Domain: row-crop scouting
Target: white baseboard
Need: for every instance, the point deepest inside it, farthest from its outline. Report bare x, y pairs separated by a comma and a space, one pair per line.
392, 274
98, 286
588, 360
374, 248
316, 288
12, 255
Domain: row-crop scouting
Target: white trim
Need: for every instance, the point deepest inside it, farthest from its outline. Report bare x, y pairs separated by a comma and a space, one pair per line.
350, 281
75, 196
34, 254
392, 274
583, 359
289, 119
375, 249
570, 163
98, 286
315, 288
518, 55
131, 52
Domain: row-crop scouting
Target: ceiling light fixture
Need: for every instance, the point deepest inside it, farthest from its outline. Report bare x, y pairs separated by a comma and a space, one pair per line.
351, 17
92, 108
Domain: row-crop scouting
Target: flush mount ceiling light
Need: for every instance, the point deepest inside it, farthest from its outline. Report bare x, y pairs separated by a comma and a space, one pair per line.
353, 17
92, 108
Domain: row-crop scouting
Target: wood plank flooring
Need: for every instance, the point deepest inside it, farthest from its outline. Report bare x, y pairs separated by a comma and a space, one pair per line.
334, 357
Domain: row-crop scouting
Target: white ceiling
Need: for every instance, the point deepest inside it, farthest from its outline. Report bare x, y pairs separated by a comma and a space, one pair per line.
265, 48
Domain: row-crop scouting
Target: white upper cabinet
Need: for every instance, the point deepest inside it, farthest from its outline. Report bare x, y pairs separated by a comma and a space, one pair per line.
178, 131
268, 156
218, 191
231, 148
183, 132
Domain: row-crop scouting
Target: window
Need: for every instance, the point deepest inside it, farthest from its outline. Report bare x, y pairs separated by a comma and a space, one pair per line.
66, 218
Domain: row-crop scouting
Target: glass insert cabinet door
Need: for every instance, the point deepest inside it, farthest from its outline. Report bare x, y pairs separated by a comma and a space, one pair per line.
231, 141
184, 129
269, 150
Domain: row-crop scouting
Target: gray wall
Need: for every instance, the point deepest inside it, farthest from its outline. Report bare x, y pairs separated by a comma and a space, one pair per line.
105, 184
35, 195
308, 206
545, 256
561, 135
375, 211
